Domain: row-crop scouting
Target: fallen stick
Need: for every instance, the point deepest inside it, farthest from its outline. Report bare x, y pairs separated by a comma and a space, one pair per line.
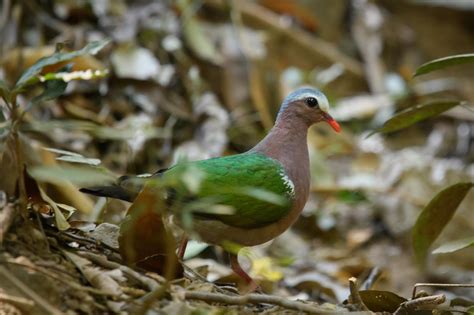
6, 219
149, 283
425, 302
20, 302
355, 298
256, 299
40, 301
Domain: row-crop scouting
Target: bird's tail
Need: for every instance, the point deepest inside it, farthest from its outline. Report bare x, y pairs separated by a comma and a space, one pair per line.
113, 191
126, 188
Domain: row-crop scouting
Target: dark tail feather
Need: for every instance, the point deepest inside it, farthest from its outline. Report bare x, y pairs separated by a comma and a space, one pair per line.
113, 191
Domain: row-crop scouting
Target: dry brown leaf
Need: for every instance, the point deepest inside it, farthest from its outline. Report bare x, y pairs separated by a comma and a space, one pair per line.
96, 276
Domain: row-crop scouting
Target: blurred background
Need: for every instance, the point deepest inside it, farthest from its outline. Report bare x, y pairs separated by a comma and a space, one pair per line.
199, 79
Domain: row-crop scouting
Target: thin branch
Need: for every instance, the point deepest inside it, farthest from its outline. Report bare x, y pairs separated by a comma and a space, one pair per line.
17, 301
7, 104
148, 299
147, 282
355, 298
45, 305
40, 225
373, 276
81, 239
256, 299
6, 219
423, 302
71, 284
441, 285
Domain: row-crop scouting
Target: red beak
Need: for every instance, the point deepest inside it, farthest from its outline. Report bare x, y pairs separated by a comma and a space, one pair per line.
333, 123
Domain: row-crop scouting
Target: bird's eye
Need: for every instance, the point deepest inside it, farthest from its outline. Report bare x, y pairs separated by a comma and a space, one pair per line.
311, 102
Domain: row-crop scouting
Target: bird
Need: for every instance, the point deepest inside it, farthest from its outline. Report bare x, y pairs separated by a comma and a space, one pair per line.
266, 187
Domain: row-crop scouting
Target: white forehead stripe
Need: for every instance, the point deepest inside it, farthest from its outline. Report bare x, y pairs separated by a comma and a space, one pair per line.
322, 100
303, 93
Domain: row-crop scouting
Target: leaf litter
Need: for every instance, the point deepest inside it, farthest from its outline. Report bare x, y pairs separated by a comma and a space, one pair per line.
156, 105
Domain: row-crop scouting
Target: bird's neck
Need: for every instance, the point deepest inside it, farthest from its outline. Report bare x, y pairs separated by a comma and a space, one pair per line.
286, 142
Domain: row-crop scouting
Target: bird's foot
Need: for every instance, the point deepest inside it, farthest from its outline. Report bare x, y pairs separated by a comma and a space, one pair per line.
182, 247
251, 285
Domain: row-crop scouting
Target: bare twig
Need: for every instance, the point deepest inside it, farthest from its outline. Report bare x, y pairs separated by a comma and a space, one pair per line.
57, 278
147, 282
6, 219
45, 305
355, 298
147, 300
81, 239
256, 299
422, 302
20, 302
441, 285
40, 225
371, 278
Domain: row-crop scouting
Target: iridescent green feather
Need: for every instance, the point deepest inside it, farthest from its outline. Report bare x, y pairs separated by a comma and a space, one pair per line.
246, 182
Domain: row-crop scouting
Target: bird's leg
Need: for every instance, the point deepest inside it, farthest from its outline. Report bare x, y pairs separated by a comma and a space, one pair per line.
234, 263
182, 247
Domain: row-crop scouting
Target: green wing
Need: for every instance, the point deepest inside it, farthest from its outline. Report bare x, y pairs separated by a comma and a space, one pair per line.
253, 186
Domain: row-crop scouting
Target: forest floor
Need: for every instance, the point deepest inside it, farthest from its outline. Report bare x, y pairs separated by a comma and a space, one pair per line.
204, 78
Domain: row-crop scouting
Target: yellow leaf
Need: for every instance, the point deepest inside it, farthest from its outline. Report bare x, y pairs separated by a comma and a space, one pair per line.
266, 268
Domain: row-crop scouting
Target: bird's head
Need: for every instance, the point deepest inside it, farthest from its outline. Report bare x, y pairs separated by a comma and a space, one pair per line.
309, 106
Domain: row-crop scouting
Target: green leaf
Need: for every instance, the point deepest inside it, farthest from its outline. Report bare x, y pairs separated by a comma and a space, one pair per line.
61, 222
435, 216
30, 75
69, 209
454, 246
67, 76
415, 114
82, 176
79, 160
73, 157
4, 90
444, 63
52, 90
381, 301
62, 152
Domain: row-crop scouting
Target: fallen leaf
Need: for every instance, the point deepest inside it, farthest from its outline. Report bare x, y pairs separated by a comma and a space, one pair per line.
61, 222
144, 240
266, 268
107, 233
381, 301
96, 276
